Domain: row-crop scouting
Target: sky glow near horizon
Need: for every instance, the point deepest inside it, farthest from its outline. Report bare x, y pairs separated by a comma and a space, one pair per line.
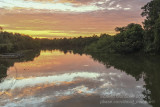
68, 18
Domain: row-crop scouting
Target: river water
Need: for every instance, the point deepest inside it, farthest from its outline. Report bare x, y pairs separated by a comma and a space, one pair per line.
57, 79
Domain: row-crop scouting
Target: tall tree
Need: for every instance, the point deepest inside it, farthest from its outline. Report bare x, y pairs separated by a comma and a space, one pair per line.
152, 38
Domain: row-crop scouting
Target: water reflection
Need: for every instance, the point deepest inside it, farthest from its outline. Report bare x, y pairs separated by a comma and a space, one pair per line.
68, 79
146, 67
6, 63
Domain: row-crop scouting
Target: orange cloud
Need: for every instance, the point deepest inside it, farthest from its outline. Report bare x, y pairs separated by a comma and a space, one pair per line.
65, 24
51, 23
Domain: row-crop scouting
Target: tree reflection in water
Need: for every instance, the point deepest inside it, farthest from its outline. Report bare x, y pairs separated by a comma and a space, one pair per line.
146, 67
6, 63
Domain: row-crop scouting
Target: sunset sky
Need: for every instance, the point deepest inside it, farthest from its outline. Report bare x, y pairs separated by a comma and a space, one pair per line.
68, 18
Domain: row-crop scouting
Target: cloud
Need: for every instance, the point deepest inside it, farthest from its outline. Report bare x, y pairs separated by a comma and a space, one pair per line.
69, 17
66, 1
74, 5
68, 24
10, 4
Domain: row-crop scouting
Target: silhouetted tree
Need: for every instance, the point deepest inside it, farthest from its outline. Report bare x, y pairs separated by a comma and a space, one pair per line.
151, 25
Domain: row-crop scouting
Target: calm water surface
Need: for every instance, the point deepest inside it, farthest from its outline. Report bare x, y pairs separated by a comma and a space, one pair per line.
55, 79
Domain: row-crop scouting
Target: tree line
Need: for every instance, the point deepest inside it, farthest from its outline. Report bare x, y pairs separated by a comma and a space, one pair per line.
10, 42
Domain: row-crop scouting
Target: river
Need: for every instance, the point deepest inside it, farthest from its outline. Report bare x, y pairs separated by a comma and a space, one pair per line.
52, 78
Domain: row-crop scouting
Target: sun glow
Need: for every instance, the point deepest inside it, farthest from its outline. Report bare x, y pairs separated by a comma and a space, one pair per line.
54, 34
67, 18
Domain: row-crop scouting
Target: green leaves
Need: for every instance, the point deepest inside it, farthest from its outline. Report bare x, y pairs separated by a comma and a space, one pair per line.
151, 25
10, 42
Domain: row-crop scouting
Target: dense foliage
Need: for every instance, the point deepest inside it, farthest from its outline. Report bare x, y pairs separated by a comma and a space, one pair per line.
129, 40
79, 42
152, 26
10, 42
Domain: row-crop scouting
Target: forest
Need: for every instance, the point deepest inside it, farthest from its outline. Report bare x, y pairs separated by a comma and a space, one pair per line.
130, 39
